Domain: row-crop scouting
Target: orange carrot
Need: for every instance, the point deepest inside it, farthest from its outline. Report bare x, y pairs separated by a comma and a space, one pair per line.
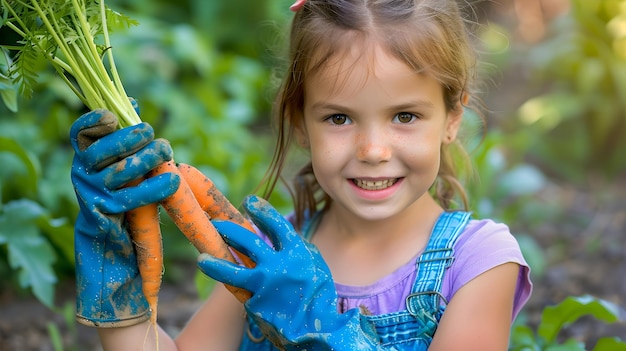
195, 223
145, 231
193, 219
214, 203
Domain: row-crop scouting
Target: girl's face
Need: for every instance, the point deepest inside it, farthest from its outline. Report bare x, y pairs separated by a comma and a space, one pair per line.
374, 129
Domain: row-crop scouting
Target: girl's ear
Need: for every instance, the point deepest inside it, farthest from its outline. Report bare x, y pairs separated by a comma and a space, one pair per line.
453, 122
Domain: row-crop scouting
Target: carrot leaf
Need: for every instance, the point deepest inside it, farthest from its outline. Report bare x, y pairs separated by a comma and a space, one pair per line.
72, 36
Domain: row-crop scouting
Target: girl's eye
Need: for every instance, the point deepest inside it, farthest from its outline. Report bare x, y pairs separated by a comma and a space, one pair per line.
404, 117
339, 119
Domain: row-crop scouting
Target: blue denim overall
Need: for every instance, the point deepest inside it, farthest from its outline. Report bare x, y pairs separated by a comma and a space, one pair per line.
413, 328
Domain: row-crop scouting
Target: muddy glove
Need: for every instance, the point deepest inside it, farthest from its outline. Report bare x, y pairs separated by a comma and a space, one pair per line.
108, 283
294, 301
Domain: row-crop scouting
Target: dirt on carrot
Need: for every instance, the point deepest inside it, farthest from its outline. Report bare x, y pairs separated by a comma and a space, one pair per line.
191, 219
145, 231
214, 203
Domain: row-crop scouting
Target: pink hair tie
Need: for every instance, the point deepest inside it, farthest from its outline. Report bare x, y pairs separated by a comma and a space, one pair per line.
297, 5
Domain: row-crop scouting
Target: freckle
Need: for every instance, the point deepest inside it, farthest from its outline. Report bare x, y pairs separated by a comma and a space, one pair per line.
358, 138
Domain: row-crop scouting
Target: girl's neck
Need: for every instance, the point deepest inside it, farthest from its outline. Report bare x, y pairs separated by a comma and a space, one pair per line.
348, 226
360, 251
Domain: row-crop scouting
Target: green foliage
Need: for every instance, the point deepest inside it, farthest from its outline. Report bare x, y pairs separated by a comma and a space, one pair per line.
8, 92
29, 253
228, 23
73, 37
209, 103
575, 126
555, 318
508, 190
55, 337
67, 311
27, 180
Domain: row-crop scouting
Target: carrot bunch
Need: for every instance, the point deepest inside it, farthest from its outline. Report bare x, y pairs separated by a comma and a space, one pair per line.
190, 208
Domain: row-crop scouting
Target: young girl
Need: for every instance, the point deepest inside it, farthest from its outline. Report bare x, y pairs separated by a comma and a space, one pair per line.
375, 92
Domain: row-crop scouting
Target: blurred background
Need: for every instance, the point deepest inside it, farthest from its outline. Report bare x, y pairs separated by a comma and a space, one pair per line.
551, 164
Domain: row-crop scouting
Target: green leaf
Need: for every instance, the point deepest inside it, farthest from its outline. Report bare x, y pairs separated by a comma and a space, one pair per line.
610, 344
30, 162
60, 233
116, 20
8, 93
569, 345
554, 318
28, 251
23, 69
523, 338
55, 186
55, 336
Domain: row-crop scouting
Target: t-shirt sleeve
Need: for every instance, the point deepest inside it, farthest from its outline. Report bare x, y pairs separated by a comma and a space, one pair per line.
483, 245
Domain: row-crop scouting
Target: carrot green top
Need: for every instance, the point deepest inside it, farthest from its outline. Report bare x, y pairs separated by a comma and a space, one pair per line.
64, 33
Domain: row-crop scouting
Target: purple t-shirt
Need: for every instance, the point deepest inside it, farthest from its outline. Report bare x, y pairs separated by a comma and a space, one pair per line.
483, 245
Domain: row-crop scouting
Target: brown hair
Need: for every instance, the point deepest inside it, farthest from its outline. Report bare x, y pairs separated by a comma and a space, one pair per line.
430, 36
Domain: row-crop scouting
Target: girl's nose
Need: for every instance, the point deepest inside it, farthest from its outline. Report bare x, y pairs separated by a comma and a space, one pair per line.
373, 147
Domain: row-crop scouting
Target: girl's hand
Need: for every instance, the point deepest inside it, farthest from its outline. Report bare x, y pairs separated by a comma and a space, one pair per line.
108, 284
293, 301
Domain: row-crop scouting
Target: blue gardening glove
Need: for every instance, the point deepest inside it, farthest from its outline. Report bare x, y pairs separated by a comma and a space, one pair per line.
108, 283
294, 301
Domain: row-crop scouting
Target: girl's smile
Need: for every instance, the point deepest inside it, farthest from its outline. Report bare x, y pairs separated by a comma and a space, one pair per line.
374, 184
375, 190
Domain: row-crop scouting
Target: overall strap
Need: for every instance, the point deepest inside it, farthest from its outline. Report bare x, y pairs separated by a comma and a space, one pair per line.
433, 262
310, 223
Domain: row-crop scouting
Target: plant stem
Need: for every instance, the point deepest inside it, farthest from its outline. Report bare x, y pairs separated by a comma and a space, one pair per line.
94, 85
109, 52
